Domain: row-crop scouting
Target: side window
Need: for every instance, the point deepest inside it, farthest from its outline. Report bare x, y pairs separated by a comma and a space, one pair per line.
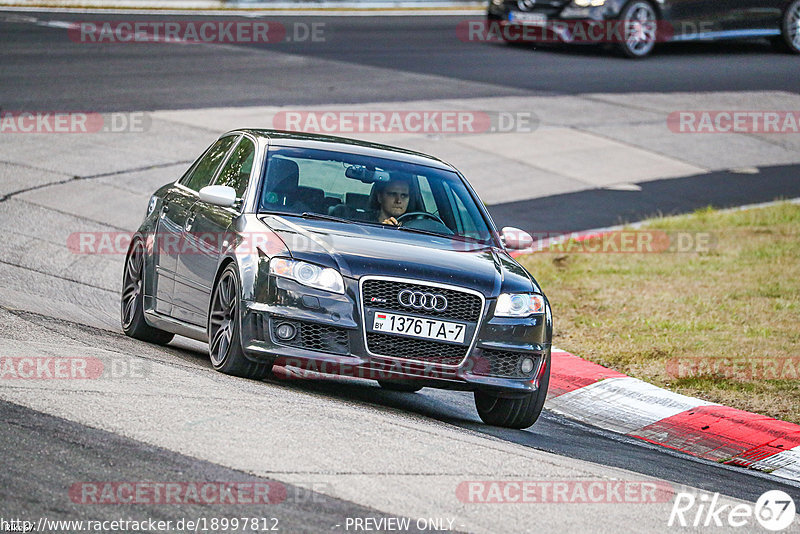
236, 172
205, 169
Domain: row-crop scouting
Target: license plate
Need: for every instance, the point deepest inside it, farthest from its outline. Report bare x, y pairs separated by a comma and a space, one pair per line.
414, 326
532, 19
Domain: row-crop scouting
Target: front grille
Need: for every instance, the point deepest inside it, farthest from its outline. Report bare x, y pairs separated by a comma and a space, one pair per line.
503, 364
314, 336
460, 306
415, 349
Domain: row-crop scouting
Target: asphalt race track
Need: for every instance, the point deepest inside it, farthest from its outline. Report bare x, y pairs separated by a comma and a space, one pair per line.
362, 59
340, 448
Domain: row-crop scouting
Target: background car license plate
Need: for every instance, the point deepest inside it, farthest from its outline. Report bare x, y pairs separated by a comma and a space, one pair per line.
534, 19
414, 326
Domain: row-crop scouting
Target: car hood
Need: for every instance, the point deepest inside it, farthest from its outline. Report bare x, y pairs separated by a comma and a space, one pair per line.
358, 250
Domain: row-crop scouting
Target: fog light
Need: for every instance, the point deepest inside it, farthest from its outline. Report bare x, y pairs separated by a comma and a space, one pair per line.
285, 331
527, 365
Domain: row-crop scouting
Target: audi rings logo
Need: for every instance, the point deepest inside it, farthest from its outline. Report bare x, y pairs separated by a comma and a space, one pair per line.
422, 301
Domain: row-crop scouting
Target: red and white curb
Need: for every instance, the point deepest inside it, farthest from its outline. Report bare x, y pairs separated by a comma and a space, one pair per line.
601, 397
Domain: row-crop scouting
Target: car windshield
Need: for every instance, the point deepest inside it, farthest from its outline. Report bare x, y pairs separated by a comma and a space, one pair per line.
368, 190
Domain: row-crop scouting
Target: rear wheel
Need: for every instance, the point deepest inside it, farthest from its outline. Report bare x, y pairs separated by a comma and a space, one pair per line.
789, 40
518, 412
639, 29
224, 340
132, 301
399, 386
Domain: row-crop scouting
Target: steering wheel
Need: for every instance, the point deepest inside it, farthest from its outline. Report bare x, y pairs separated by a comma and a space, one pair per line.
421, 214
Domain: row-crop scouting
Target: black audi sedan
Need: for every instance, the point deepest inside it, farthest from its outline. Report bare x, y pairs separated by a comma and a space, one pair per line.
635, 26
339, 256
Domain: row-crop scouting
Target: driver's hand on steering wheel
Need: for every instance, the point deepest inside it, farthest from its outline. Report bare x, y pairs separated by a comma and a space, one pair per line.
392, 221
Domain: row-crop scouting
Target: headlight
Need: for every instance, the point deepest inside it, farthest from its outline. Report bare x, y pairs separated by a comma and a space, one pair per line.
308, 274
518, 305
587, 3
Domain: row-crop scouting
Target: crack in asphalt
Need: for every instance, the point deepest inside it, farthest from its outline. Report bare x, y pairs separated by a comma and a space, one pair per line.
73, 215
65, 278
75, 178
41, 320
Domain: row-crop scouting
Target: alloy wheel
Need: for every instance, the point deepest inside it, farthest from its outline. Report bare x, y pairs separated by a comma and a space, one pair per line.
132, 285
223, 315
794, 25
640, 29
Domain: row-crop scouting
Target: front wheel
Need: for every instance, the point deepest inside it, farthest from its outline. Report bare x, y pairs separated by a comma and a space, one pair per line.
639, 29
132, 301
789, 40
224, 341
518, 412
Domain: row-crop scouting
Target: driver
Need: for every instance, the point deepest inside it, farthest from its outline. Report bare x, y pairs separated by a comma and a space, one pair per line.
393, 200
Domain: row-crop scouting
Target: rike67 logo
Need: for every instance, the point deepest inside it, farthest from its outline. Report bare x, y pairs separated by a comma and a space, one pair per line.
774, 511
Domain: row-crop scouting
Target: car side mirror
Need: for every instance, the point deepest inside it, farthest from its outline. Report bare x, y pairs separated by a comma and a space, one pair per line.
219, 195
515, 239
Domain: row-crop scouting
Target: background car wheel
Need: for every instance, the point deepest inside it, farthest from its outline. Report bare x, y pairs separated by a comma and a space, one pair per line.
131, 303
520, 412
640, 30
399, 386
789, 40
224, 341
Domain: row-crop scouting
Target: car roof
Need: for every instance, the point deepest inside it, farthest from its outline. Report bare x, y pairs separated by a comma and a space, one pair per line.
344, 144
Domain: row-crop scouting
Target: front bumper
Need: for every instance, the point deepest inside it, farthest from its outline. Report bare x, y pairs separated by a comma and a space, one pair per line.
331, 339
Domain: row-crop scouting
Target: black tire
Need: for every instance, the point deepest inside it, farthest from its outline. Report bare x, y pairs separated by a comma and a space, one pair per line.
132, 300
643, 12
399, 386
224, 335
789, 40
519, 412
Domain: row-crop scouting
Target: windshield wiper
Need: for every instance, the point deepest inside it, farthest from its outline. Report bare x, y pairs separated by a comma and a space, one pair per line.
312, 215
323, 217
448, 236
426, 232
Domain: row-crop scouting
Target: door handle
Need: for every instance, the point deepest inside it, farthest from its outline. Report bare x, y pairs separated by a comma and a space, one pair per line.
189, 222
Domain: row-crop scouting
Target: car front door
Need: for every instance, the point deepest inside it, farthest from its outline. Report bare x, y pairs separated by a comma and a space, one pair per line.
209, 232
201, 175
691, 18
